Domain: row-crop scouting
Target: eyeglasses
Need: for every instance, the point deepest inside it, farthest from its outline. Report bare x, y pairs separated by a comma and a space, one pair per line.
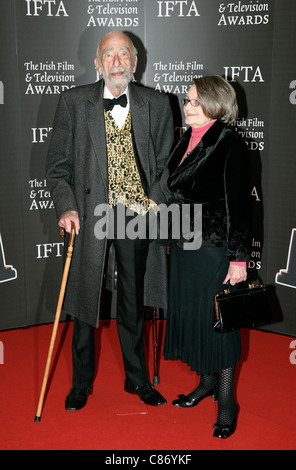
193, 102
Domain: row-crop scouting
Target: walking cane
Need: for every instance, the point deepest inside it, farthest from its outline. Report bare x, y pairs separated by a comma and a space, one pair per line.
155, 347
57, 318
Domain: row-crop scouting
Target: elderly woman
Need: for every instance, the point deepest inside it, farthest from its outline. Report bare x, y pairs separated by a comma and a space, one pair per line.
209, 166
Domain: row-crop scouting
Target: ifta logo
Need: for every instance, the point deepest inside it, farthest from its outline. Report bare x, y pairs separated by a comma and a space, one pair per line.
287, 277
1, 93
7, 273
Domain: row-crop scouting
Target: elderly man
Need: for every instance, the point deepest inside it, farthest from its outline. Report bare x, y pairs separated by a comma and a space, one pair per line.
110, 142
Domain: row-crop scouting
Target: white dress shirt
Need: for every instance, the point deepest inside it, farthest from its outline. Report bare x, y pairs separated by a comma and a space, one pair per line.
119, 113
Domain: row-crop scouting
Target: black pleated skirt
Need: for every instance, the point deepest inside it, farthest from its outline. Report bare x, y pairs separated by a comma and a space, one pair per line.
195, 277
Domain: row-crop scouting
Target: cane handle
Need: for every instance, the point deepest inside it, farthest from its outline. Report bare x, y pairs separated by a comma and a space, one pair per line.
72, 233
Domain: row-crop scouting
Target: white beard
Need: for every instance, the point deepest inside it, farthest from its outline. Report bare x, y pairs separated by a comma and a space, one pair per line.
120, 83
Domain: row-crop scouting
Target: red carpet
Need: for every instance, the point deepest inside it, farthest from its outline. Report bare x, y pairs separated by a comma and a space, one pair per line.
115, 420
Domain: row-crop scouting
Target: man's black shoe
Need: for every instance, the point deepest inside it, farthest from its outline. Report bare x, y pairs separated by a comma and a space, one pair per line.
147, 393
76, 399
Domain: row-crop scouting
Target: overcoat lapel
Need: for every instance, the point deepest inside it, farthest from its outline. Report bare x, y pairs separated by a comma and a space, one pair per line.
96, 125
140, 126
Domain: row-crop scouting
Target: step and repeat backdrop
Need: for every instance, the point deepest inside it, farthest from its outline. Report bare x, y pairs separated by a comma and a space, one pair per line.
48, 46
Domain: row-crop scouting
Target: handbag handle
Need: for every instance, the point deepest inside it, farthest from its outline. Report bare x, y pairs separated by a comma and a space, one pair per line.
251, 286
227, 284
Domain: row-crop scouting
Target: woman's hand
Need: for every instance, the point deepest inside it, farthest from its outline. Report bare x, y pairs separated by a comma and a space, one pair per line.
154, 206
67, 218
236, 274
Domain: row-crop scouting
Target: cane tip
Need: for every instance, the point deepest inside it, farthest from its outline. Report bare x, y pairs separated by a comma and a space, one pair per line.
37, 419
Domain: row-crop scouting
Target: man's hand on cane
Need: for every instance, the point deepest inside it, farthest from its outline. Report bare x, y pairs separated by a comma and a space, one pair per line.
67, 218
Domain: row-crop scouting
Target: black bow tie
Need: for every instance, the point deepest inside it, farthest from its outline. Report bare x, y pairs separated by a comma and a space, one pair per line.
109, 104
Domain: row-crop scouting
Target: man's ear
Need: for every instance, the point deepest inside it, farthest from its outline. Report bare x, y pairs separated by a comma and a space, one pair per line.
97, 66
135, 64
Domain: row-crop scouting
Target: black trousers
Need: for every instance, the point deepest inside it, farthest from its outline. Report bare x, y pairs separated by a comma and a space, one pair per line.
131, 256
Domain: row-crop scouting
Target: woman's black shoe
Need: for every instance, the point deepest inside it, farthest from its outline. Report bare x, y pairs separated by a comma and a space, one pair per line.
184, 401
223, 432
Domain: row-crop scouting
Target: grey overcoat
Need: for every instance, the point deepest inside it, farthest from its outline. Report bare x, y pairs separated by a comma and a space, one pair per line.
78, 180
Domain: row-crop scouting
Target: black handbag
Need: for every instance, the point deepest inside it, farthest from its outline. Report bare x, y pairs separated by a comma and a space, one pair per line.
243, 308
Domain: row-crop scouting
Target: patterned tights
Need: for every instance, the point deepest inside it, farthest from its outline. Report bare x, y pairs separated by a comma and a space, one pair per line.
226, 403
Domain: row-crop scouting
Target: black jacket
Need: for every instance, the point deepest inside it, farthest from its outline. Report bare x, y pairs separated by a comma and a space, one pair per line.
216, 174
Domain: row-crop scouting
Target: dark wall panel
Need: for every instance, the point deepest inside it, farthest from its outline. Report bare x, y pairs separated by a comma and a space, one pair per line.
49, 46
